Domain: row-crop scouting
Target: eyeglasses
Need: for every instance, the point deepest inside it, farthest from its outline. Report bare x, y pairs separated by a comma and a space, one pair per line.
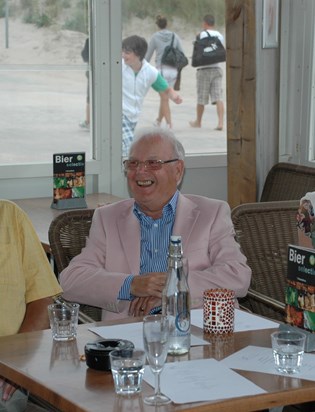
148, 164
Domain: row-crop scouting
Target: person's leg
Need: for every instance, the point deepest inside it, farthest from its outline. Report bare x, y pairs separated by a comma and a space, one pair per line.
216, 94
159, 118
170, 75
86, 123
220, 113
87, 113
165, 111
203, 90
128, 128
199, 113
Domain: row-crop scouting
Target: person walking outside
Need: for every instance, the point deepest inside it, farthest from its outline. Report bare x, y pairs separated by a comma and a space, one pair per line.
85, 124
209, 80
137, 77
157, 44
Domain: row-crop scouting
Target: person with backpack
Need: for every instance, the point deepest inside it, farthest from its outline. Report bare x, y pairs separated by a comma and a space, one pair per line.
157, 44
209, 79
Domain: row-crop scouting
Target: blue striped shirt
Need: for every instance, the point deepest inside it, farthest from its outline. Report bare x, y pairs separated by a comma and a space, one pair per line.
154, 243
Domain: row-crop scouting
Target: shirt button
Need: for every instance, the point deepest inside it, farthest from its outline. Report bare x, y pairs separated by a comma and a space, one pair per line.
156, 250
155, 225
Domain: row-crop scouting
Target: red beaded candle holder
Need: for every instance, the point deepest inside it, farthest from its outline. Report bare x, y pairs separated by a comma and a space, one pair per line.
218, 311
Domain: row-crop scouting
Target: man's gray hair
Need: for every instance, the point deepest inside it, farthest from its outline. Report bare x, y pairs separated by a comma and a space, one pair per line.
165, 134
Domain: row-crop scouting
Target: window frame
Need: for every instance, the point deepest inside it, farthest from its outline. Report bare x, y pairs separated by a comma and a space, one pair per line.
104, 173
297, 68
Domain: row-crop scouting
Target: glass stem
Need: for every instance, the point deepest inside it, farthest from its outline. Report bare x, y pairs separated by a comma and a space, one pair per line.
157, 384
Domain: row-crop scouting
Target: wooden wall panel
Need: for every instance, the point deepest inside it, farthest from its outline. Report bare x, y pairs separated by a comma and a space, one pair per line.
241, 100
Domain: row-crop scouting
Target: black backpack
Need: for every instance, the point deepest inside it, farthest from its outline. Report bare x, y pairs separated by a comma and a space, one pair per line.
174, 57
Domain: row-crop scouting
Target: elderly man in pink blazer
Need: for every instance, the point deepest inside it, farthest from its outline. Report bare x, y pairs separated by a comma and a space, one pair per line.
123, 267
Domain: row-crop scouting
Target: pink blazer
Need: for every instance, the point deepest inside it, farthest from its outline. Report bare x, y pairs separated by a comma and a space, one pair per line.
113, 251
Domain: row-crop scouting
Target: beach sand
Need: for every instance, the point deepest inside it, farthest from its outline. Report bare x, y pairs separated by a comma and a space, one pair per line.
43, 88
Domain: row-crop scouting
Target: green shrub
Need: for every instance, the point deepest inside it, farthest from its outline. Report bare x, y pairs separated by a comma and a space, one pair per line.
77, 23
40, 20
190, 11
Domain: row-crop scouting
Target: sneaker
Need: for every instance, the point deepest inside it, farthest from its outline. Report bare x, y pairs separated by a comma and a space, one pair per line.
84, 125
157, 123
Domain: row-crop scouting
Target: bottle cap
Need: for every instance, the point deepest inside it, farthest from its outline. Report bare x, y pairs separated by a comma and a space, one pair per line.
175, 249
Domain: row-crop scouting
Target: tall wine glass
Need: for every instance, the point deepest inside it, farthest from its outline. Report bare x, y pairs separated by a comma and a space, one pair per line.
156, 341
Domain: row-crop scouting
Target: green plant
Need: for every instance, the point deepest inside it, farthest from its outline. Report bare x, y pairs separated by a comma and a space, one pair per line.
77, 23
40, 20
190, 11
43, 20
2, 8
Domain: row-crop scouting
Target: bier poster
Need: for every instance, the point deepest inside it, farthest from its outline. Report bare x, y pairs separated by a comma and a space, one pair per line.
69, 180
300, 289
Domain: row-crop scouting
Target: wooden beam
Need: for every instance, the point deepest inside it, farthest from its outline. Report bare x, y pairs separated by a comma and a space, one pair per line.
241, 100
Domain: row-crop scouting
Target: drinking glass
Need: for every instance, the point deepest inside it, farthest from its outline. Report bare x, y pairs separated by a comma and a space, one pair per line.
156, 341
288, 349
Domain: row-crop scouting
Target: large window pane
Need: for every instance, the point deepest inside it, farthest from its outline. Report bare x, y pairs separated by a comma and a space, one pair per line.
185, 18
43, 79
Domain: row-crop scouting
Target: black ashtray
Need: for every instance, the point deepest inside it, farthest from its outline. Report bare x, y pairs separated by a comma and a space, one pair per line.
97, 353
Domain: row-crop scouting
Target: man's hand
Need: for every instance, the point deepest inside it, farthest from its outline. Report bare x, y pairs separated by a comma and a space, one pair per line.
142, 306
151, 284
173, 95
8, 389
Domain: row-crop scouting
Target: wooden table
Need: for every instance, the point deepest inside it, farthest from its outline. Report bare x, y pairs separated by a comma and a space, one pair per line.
41, 214
55, 372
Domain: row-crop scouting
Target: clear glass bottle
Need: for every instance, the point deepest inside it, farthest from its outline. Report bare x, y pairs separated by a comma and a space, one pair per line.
176, 299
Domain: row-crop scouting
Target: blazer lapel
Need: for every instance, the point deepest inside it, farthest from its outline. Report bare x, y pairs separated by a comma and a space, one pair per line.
129, 234
187, 213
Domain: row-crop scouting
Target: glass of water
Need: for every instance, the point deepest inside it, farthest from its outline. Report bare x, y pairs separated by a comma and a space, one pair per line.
288, 349
63, 318
127, 366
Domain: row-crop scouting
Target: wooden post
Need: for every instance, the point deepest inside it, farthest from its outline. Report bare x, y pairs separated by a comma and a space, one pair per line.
241, 100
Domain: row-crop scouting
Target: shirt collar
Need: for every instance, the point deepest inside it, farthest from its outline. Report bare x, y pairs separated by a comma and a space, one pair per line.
170, 207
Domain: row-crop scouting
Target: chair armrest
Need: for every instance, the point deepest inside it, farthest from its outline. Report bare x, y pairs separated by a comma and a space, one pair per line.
273, 303
83, 318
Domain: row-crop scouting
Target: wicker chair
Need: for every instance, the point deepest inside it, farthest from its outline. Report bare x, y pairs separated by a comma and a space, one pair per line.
287, 181
67, 236
264, 231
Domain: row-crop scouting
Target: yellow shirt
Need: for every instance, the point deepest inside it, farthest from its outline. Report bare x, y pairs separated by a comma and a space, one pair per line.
25, 272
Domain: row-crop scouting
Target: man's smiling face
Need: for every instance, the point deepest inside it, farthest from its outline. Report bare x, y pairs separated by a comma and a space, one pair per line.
152, 189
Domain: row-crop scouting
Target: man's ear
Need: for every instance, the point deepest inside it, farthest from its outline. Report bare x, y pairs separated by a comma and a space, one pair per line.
180, 168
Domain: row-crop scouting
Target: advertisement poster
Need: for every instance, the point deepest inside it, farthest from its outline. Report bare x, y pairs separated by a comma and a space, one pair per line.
300, 289
69, 181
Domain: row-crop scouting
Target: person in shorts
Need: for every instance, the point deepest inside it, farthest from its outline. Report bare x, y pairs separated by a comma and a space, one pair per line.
209, 80
157, 44
138, 76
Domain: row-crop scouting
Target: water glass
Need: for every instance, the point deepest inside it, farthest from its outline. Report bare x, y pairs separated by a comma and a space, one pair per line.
288, 350
63, 320
127, 367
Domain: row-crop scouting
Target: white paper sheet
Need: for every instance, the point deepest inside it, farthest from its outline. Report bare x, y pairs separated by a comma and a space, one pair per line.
201, 380
243, 321
258, 359
132, 332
